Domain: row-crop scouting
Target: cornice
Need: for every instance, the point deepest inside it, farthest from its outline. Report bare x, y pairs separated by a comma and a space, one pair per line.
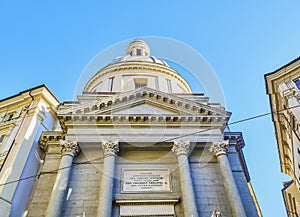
236, 138
24, 97
290, 71
50, 137
100, 112
8, 125
144, 93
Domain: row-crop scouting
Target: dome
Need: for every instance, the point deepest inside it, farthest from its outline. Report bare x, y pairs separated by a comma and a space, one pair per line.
135, 70
138, 50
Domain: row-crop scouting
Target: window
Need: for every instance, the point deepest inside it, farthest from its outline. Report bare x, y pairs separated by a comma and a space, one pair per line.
169, 85
140, 82
10, 117
139, 52
2, 138
111, 84
3, 116
7, 117
297, 82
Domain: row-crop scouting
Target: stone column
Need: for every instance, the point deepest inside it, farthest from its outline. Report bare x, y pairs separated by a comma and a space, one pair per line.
110, 149
69, 150
220, 151
181, 149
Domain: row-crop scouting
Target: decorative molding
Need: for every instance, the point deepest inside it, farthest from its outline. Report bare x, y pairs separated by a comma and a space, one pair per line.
100, 112
181, 147
185, 105
236, 138
41, 115
69, 147
134, 65
219, 148
110, 147
50, 137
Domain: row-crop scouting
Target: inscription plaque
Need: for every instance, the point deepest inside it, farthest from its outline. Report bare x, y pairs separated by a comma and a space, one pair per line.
146, 180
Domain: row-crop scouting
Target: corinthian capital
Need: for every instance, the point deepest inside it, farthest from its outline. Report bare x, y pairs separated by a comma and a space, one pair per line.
110, 147
181, 147
219, 148
69, 147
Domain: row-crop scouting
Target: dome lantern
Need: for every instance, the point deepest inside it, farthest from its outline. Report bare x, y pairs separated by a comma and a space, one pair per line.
138, 48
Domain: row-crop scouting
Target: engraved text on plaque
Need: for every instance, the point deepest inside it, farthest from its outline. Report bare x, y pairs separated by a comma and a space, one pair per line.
146, 180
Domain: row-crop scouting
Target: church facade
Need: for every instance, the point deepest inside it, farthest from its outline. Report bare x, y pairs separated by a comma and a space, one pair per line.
137, 142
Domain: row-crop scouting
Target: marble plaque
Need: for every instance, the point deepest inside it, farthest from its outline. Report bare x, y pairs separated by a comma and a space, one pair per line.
146, 180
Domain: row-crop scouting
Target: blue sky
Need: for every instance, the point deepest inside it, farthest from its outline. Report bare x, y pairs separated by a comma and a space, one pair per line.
51, 42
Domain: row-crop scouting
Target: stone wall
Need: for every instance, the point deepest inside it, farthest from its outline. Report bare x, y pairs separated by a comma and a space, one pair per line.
83, 189
42, 189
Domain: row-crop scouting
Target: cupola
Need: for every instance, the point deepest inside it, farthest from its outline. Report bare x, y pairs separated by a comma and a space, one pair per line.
135, 70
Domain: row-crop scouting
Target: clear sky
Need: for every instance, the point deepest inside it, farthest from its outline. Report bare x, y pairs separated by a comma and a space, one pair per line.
51, 42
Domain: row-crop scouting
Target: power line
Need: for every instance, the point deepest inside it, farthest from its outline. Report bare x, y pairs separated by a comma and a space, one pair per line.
178, 137
262, 115
49, 172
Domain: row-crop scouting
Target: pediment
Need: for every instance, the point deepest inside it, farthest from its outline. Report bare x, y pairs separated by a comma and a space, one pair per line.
144, 101
143, 108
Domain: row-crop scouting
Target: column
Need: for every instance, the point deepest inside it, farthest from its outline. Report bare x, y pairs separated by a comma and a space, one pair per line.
220, 151
181, 149
69, 149
110, 149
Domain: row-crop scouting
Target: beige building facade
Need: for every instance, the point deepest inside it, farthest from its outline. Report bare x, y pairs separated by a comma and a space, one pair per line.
23, 118
283, 89
138, 142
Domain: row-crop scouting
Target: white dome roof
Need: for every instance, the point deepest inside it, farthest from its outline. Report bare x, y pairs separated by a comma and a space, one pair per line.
137, 69
138, 50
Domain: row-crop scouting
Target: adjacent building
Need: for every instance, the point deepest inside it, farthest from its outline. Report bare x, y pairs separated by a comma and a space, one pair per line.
23, 118
283, 87
137, 142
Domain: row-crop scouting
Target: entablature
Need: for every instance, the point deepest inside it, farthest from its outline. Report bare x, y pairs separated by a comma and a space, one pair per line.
50, 137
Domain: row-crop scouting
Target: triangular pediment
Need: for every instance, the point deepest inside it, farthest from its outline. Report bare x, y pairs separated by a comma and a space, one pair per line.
144, 108
144, 101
